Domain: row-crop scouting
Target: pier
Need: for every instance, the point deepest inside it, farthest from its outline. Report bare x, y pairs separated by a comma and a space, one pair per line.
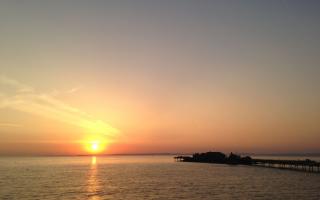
233, 159
298, 165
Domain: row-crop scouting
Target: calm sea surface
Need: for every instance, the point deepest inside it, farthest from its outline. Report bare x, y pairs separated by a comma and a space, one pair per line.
147, 177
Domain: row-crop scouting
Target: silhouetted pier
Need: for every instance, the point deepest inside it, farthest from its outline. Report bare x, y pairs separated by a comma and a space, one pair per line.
298, 165
233, 159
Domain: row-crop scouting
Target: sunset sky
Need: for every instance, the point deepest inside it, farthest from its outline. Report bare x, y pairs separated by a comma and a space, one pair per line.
159, 76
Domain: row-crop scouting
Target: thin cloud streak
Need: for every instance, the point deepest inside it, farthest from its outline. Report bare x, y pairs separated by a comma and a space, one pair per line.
73, 90
17, 85
10, 125
27, 100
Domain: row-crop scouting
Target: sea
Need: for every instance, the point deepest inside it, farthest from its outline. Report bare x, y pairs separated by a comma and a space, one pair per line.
147, 177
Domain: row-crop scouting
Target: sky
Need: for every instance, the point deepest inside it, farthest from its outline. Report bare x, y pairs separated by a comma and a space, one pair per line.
150, 76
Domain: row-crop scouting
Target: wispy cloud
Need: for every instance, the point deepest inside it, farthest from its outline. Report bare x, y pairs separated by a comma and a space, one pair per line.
73, 90
19, 87
26, 99
10, 125
56, 92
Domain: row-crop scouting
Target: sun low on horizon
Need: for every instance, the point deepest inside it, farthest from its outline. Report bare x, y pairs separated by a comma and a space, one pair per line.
95, 144
95, 147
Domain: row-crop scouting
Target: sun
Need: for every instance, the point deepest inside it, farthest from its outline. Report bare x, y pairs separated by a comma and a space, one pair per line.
95, 147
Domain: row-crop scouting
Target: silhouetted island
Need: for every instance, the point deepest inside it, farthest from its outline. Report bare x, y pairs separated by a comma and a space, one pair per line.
234, 159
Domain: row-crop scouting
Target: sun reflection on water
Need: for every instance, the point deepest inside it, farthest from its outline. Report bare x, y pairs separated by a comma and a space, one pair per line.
93, 183
93, 160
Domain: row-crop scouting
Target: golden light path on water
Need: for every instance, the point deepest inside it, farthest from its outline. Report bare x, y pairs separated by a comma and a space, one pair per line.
93, 183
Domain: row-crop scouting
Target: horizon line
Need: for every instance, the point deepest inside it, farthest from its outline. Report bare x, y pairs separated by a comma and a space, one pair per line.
156, 154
